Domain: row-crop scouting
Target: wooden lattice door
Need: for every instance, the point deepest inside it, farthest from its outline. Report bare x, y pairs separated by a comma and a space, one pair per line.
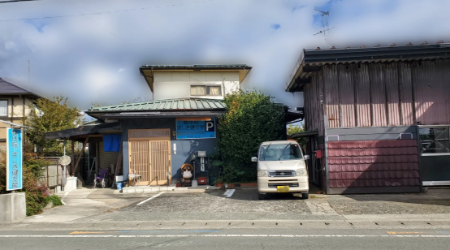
149, 155
140, 160
160, 162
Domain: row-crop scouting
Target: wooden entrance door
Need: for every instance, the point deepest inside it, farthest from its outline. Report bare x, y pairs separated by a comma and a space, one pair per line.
149, 155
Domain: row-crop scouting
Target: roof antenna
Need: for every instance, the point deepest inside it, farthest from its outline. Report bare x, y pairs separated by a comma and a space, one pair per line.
325, 28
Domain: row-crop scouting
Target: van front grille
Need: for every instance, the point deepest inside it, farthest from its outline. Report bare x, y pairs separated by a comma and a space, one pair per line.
286, 184
282, 173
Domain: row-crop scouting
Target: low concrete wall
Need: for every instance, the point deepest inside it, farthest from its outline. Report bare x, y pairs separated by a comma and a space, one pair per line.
12, 207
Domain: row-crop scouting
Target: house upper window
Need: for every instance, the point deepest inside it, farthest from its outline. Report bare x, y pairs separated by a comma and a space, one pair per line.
3, 108
434, 140
199, 90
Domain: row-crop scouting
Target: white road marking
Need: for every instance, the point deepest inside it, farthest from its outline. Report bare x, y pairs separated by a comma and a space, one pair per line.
231, 193
227, 235
149, 199
62, 200
227, 192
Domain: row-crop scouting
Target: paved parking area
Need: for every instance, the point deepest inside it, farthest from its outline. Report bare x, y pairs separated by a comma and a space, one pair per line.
244, 205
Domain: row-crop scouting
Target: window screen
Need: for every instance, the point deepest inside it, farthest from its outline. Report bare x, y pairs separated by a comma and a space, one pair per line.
3, 108
434, 140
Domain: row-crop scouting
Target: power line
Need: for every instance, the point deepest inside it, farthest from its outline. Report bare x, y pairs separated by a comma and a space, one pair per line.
102, 12
15, 1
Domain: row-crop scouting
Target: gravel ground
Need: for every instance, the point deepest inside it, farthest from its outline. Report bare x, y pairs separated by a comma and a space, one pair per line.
243, 205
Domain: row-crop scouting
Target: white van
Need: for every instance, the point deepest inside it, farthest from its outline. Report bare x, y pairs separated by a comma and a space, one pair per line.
281, 168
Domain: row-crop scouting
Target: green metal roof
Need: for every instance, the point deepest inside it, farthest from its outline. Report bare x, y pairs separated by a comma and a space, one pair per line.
164, 105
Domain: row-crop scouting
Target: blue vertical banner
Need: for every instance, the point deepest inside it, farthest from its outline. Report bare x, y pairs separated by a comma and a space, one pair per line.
14, 159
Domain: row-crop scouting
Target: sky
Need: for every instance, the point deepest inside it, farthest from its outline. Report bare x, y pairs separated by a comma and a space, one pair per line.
90, 50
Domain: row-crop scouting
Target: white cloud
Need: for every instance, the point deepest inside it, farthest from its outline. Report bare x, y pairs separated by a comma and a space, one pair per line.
80, 56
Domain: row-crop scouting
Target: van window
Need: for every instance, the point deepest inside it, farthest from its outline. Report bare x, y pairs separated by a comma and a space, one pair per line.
280, 152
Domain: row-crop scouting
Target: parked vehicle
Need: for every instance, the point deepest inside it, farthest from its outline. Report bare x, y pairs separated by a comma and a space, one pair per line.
281, 169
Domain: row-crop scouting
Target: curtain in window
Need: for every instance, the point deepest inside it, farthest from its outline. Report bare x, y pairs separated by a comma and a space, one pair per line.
198, 90
214, 90
3, 108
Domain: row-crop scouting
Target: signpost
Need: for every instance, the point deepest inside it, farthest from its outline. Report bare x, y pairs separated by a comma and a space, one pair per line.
14, 159
196, 129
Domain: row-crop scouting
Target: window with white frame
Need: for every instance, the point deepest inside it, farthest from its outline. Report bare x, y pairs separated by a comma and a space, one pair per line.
3, 108
434, 140
204, 90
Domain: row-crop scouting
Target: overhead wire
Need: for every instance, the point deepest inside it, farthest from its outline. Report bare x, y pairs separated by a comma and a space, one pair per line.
104, 12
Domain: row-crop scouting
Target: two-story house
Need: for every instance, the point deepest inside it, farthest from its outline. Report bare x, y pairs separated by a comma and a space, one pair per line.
153, 139
15, 103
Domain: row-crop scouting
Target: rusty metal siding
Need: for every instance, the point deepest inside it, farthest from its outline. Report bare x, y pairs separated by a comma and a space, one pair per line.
378, 93
346, 96
362, 89
392, 94
382, 94
331, 89
320, 103
406, 94
313, 94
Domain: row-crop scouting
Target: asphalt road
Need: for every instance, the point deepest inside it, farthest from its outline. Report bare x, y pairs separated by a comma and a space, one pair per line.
227, 239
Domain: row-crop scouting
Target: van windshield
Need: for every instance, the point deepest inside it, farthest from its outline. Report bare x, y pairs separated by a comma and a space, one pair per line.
280, 152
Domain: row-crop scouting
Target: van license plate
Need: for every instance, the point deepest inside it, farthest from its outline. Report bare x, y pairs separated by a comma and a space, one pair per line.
283, 189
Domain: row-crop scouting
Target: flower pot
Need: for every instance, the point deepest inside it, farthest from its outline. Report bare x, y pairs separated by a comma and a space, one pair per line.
218, 184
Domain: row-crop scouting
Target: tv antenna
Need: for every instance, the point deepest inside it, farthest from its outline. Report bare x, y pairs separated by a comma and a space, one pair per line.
325, 15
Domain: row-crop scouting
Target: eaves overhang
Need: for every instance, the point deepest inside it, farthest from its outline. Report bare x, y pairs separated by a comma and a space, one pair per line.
312, 61
148, 70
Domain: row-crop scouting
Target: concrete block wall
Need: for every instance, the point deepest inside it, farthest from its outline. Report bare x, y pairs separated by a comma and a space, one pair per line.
12, 207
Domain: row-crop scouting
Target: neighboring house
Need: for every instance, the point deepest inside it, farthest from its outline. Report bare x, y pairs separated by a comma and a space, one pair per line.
157, 137
378, 118
15, 105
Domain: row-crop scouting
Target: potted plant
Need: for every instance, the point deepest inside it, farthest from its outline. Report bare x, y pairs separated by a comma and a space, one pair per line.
218, 183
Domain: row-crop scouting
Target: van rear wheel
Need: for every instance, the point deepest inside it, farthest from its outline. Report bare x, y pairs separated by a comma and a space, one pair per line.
261, 196
305, 196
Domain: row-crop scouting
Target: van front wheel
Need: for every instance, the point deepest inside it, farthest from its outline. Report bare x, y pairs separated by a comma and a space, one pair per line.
261, 196
305, 196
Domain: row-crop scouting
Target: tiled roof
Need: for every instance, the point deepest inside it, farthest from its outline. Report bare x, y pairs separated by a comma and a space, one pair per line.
164, 105
7, 88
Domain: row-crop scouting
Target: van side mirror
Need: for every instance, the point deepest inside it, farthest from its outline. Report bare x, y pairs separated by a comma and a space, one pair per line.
306, 157
254, 159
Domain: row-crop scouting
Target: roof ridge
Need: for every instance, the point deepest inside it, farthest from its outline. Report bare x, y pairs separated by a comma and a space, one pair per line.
2, 80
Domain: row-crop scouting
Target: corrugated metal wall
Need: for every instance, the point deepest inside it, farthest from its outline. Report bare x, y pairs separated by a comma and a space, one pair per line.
380, 94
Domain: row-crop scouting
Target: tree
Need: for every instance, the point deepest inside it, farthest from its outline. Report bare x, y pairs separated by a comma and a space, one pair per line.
293, 129
48, 116
250, 119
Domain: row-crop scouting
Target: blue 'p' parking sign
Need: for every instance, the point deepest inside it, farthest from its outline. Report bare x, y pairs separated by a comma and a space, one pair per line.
196, 129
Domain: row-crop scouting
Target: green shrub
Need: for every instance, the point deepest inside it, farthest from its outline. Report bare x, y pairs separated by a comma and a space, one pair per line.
250, 119
36, 202
55, 200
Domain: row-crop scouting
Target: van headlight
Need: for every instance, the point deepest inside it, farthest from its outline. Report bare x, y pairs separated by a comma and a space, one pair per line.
301, 172
263, 173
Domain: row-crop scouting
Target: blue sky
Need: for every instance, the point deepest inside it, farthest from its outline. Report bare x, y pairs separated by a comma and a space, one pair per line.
90, 51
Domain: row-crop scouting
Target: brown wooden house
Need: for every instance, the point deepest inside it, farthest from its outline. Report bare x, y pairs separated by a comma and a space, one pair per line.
378, 118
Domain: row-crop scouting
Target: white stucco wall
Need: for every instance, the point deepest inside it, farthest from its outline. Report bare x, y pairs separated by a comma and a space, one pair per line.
169, 85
